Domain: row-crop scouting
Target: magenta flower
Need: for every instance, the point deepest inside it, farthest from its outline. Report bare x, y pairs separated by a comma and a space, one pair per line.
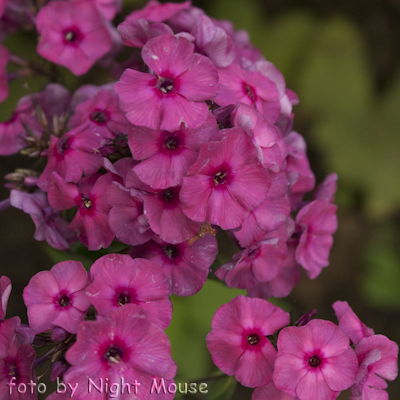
71, 155
270, 392
117, 280
5, 291
377, 356
350, 324
315, 361
185, 265
123, 343
50, 226
248, 87
104, 114
167, 155
4, 54
225, 184
175, 93
72, 34
16, 368
90, 196
317, 223
57, 297
238, 340
107, 8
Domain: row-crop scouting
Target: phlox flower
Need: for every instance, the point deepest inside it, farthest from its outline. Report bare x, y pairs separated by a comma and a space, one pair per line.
315, 361
377, 356
185, 265
17, 364
57, 297
90, 196
226, 182
5, 291
50, 226
117, 279
167, 155
238, 340
317, 222
350, 324
121, 343
175, 93
72, 34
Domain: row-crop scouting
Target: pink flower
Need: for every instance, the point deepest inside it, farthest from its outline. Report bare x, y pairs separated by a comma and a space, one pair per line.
317, 223
107, 8
5, 291
315, 361
71, 155
17, 367
72, 34
226, 182
90, 196
167, 155
4, 54
123, 343
175, 93
377, 356
238, 340
350, 323
185, 265
50, 226
120, 280
57, 297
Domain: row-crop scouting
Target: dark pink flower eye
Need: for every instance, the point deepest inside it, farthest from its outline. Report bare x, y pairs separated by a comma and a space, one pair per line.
165, 84
64, 300
114, 354
253, 339
168, 195
220, 177
72, 36
170, 251
171, 143
123, 298
314, 361
99, 116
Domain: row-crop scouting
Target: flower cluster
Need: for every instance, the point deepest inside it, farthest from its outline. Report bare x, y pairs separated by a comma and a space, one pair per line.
190, 135
312, 360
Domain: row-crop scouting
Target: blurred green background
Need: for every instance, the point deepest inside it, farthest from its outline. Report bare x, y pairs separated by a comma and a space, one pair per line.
342, 57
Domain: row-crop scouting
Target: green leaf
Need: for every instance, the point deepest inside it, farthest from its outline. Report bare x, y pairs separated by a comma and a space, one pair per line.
221, 389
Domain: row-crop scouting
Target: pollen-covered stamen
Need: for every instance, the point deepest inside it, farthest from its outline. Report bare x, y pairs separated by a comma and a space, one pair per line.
171, 143
314, 361
113, 354
219, 177
87, 203
99, 117
250, 92
253, 339
170, 251
64, 301
168, 195
165, 84
123, 299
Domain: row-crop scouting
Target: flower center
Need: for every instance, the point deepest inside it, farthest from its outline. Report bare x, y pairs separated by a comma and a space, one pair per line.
113, 354
72, 35
63, 145
123, 299
220, 177
87, 203
168, 195
253, 339
250, 92
166, 85
171, 143
99, 116
171, 252
63, 301
314, 361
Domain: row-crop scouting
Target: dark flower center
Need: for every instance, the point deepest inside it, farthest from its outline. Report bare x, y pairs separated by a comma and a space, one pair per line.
123, 299
63, 144
171, 143
99, 117
314, 361
220, 177
253, 339
87, 203
250, 92
171, 252
63, 301
168, 195
113, 354
166, 85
